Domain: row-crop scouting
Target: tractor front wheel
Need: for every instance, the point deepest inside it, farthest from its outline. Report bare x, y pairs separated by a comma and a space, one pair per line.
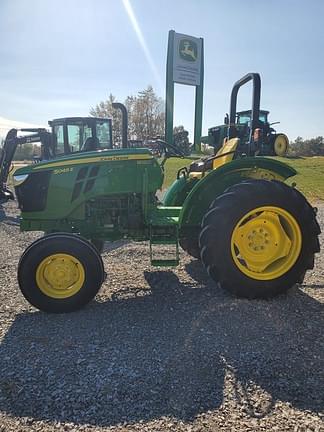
98, 244
259, 238
60, 273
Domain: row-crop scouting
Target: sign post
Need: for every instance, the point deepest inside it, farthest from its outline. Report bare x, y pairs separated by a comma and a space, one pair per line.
185, 65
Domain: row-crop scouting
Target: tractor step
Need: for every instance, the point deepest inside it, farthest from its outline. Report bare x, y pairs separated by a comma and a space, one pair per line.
164, 263
164, 235
158, 240
165, 216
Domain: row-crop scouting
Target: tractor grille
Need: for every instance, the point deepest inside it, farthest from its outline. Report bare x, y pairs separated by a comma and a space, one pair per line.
32, 194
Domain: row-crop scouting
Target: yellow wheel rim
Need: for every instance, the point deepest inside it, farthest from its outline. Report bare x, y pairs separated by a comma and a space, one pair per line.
60, 276
281, 145
266, 243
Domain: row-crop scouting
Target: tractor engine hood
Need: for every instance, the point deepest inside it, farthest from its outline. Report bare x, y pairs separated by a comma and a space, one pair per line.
55, 189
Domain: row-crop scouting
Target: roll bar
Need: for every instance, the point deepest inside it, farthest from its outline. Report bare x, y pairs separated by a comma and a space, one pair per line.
256, 94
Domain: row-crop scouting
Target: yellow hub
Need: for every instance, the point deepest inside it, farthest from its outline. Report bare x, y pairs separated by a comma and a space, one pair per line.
281, 145
60, 276
266, 243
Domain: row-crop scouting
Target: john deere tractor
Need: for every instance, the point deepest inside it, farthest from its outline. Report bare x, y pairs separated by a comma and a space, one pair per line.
260, 137
255, 235
67, 136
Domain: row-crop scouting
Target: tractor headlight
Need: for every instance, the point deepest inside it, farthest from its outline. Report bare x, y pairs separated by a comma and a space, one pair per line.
19, 179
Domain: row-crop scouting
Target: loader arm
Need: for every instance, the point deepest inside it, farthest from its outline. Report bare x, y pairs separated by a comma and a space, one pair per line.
8, 152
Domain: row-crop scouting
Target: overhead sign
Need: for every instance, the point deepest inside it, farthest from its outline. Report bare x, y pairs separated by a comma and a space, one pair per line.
185, 65
187, 59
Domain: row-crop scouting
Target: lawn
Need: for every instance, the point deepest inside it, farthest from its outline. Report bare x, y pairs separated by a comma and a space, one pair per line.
171, 168
310, 177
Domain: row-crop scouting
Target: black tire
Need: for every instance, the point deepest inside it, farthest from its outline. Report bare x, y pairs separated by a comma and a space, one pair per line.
191, 246
98, 244
60, 243
224, 215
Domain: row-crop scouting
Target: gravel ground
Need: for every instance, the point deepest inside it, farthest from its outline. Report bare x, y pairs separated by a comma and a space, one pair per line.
159, 351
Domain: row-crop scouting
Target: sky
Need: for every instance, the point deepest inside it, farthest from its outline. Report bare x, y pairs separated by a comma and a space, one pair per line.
59, 58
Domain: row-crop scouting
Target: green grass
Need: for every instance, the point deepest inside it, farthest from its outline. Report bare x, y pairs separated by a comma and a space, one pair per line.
171, 167
310, 177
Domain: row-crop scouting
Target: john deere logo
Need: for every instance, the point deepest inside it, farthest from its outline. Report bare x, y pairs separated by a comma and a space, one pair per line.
188, 50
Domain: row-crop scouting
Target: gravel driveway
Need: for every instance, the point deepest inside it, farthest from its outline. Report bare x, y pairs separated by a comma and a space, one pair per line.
159, 350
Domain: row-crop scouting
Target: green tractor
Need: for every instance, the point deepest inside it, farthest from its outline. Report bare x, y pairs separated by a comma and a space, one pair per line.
255, 235
259, 137
67, 136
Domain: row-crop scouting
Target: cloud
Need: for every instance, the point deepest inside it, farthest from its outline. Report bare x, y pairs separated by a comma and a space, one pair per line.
6, 125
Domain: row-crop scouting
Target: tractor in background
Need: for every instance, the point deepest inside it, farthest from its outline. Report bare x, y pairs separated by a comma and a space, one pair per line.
67, 136
255, 235
260, 137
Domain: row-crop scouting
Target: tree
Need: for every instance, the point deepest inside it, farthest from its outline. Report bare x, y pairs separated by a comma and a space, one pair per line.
24, 152
145, 115
181, 139
308, 147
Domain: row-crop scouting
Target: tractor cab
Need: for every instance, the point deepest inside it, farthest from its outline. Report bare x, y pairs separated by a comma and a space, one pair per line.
68, 135
243, 125
244, 117
80, 134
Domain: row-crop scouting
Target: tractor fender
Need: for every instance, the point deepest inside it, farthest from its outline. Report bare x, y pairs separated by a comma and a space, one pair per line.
217, 181
179, 190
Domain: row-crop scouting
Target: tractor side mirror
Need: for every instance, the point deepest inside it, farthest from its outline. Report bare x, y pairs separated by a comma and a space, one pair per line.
226, 119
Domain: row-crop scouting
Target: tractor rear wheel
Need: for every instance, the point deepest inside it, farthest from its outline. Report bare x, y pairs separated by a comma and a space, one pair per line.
60, 273
259, 238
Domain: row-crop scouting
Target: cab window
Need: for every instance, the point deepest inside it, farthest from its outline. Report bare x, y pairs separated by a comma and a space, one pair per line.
59, 139
263, 117
103, 134
77, 136
244, 119
87, 133
74, 137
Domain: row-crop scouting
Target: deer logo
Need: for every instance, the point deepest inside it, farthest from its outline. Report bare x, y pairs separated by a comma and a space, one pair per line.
188, 50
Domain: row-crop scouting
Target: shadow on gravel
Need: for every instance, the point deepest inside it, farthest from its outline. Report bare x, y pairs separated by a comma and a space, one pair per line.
10, 220
166, 353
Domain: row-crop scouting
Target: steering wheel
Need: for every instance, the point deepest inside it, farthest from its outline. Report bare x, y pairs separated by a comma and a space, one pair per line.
169, 149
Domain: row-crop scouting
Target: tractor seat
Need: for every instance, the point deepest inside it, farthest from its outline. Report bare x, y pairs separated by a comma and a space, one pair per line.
227, 149
225, 153
90, 144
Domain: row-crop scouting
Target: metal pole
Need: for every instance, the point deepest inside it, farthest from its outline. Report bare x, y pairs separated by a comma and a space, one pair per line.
199, 103
169, 96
